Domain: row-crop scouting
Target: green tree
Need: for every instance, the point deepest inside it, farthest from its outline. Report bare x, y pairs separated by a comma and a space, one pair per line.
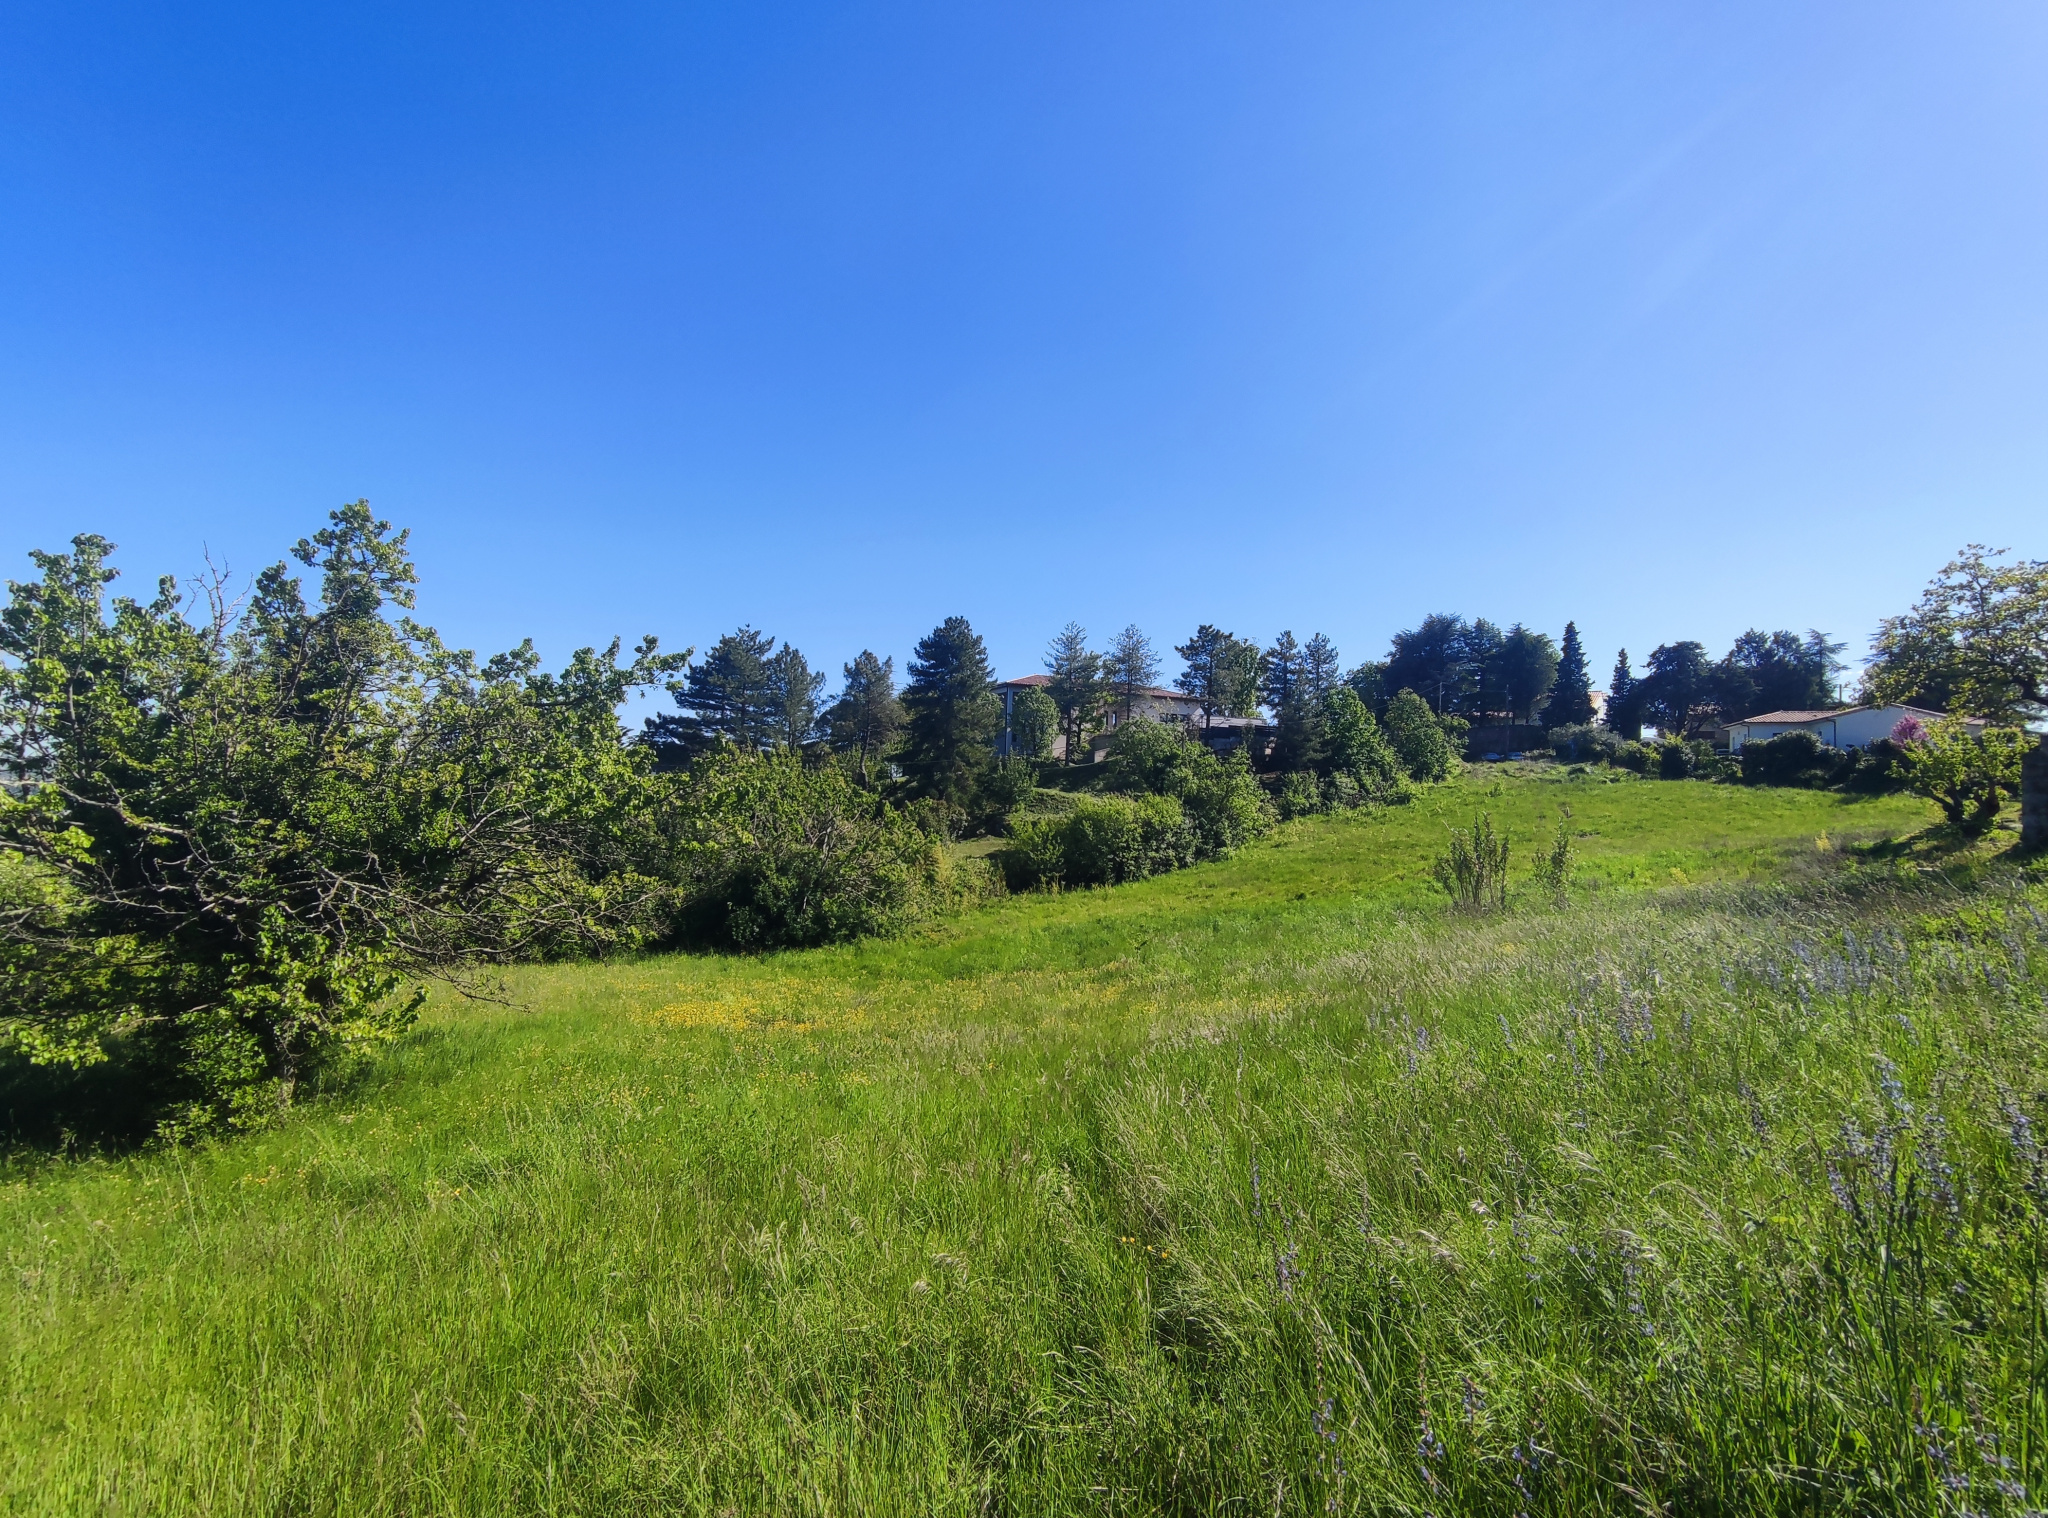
1357, 747
1967, 776
1678, 690
1297, 714
1571, 694
1436, 660
253, 832
1418, 738
1624, 713
729, 696
1524, 670
1321, 671
1976, 643
1034, 722
1369, 681
1153, 758
1221, 673
865, 719
952, 714
779, 854
1774, 672
1076, 686
793, 691
1130, 668
1282, 674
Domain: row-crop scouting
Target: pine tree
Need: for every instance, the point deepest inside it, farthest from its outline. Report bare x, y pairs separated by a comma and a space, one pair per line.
953, 713
1130, 668
728, 696
867, 715
1571, 698
1321, 670
793, 695
1281, 674
1622, 714
1076, 687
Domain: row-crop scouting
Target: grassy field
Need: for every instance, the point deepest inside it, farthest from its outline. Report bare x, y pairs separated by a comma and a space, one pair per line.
1271, 1186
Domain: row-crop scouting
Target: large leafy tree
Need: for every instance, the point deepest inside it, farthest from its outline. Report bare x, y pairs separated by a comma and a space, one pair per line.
729, 696
1777, 671
1976, 643
1130, 667
1418, 738
1571, 694
1076, 685
1434, 660
1678, 690
953, 714
865, 719
248, 834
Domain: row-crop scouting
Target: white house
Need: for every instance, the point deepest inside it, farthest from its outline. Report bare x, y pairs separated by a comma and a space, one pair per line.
1842, 727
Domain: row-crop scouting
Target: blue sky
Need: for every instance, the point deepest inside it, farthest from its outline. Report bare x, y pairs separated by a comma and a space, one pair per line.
838, 319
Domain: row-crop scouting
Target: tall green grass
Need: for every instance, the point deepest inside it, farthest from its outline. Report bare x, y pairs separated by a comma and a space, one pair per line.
1271, 1186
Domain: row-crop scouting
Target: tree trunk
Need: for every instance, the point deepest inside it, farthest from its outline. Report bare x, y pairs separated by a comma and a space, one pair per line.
2034, 797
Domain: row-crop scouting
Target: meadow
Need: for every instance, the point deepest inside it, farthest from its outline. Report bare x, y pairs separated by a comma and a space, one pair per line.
1273, 1185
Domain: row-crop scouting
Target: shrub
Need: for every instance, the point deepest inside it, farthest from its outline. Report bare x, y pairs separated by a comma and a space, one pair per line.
1797, 758
1299, 794
1583, 742
1674, 762
1554, 868
1153, 758
1359, 750
1880, 768
1639, 757
1967, 777
1474, 870
1418, 738
1100, 840
1226, 806
778, 854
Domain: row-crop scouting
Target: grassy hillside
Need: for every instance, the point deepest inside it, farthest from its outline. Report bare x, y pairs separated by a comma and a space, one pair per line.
1269, 1186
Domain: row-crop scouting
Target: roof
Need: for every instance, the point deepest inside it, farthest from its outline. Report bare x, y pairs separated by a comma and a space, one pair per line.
1039, 682
1797, 716
1793, 717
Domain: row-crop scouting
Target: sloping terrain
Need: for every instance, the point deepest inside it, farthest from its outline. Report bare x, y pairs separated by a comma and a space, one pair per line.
1269, 1185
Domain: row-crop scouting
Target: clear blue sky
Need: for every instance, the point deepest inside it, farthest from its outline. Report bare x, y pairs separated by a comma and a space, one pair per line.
1672, 318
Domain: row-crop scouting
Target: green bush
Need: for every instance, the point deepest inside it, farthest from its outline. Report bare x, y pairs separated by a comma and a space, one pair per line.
777, 854
1359, 751
1674, 762
1154, 758
1173, 802
1797, 758
1418, 739
1300, 794
1099, 840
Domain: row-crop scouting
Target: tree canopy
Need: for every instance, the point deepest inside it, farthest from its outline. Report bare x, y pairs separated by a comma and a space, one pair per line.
1976, 642
952, 713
